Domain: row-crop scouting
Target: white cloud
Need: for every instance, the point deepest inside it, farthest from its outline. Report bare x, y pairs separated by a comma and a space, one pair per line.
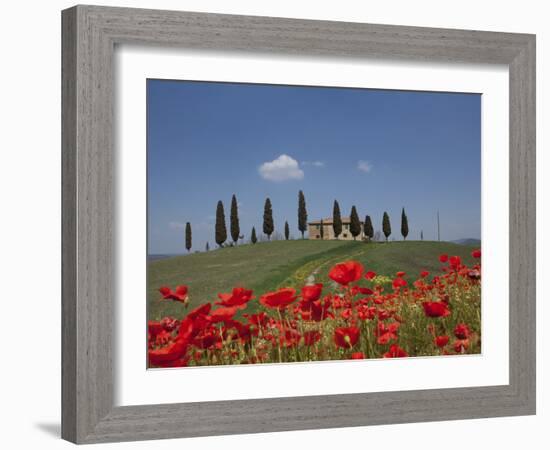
281, 169
364, 166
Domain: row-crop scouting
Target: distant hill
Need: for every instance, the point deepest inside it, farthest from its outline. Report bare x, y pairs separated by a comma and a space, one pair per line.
155, 256
467, 241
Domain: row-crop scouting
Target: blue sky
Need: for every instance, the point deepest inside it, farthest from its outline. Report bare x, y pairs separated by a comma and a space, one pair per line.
378, 150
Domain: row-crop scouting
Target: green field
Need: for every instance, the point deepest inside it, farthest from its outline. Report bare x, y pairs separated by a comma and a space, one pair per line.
269, 265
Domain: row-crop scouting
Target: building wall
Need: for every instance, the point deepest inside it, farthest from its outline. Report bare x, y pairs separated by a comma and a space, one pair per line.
314, 232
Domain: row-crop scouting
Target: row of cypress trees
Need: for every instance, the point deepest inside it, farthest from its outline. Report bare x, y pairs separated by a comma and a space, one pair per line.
268, 224
355, 223
269, 227
386, 225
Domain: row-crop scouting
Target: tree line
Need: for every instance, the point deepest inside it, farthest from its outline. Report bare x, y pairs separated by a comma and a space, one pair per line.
268, 226
368, 229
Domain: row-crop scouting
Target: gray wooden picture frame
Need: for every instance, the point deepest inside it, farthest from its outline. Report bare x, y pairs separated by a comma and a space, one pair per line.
90, 34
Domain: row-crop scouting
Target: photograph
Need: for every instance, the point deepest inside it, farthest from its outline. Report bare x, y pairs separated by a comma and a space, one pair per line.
296, 224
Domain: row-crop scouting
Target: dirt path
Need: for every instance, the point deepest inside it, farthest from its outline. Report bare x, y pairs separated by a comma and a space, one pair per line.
311, 278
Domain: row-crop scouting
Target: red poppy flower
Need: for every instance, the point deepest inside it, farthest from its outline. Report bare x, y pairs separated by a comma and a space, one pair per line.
245, 332
346, 313
370, 275
185, 330
399, 283
346, 337
443, 258
169, 323
223, 314
476, 253
347, 272
154, 328
201, 322
320, 310
358, 355
175, 349
364, 290
384, 314
311, 293
366, 312
354, 290
455, 262
201, 310
279, 299
462, 331
441, 341
311, 337
436, 309
238, 297
162, 338
207, 338
179, 295
260, 319
386, 333
400, 274
290, 338
396, 352
316, 311
424, 274
338, 302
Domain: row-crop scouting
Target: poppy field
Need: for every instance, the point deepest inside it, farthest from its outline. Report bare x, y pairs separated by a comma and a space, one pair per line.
351, 313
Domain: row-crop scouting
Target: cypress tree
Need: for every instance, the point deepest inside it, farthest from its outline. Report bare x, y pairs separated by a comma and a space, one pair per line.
221, 230
421, 235
207, 248
287, 231
336, 220
322, 233
369, 230
253, 237
188, 238
386, 226
302, 213
355, 223
234, 220
404, 224
268, 219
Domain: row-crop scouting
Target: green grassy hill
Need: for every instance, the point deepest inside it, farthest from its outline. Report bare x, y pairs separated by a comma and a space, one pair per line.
269, 265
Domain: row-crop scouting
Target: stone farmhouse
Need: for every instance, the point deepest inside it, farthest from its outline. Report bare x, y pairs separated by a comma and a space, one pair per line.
314, 230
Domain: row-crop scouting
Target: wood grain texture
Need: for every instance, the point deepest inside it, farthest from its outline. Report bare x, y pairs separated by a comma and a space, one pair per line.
89, 36
68, 226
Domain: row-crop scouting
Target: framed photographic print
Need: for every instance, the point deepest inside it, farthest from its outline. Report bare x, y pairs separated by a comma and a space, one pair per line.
278, 224
337, 286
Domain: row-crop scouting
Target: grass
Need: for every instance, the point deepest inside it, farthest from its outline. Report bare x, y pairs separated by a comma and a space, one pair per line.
266, 266
410, 256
